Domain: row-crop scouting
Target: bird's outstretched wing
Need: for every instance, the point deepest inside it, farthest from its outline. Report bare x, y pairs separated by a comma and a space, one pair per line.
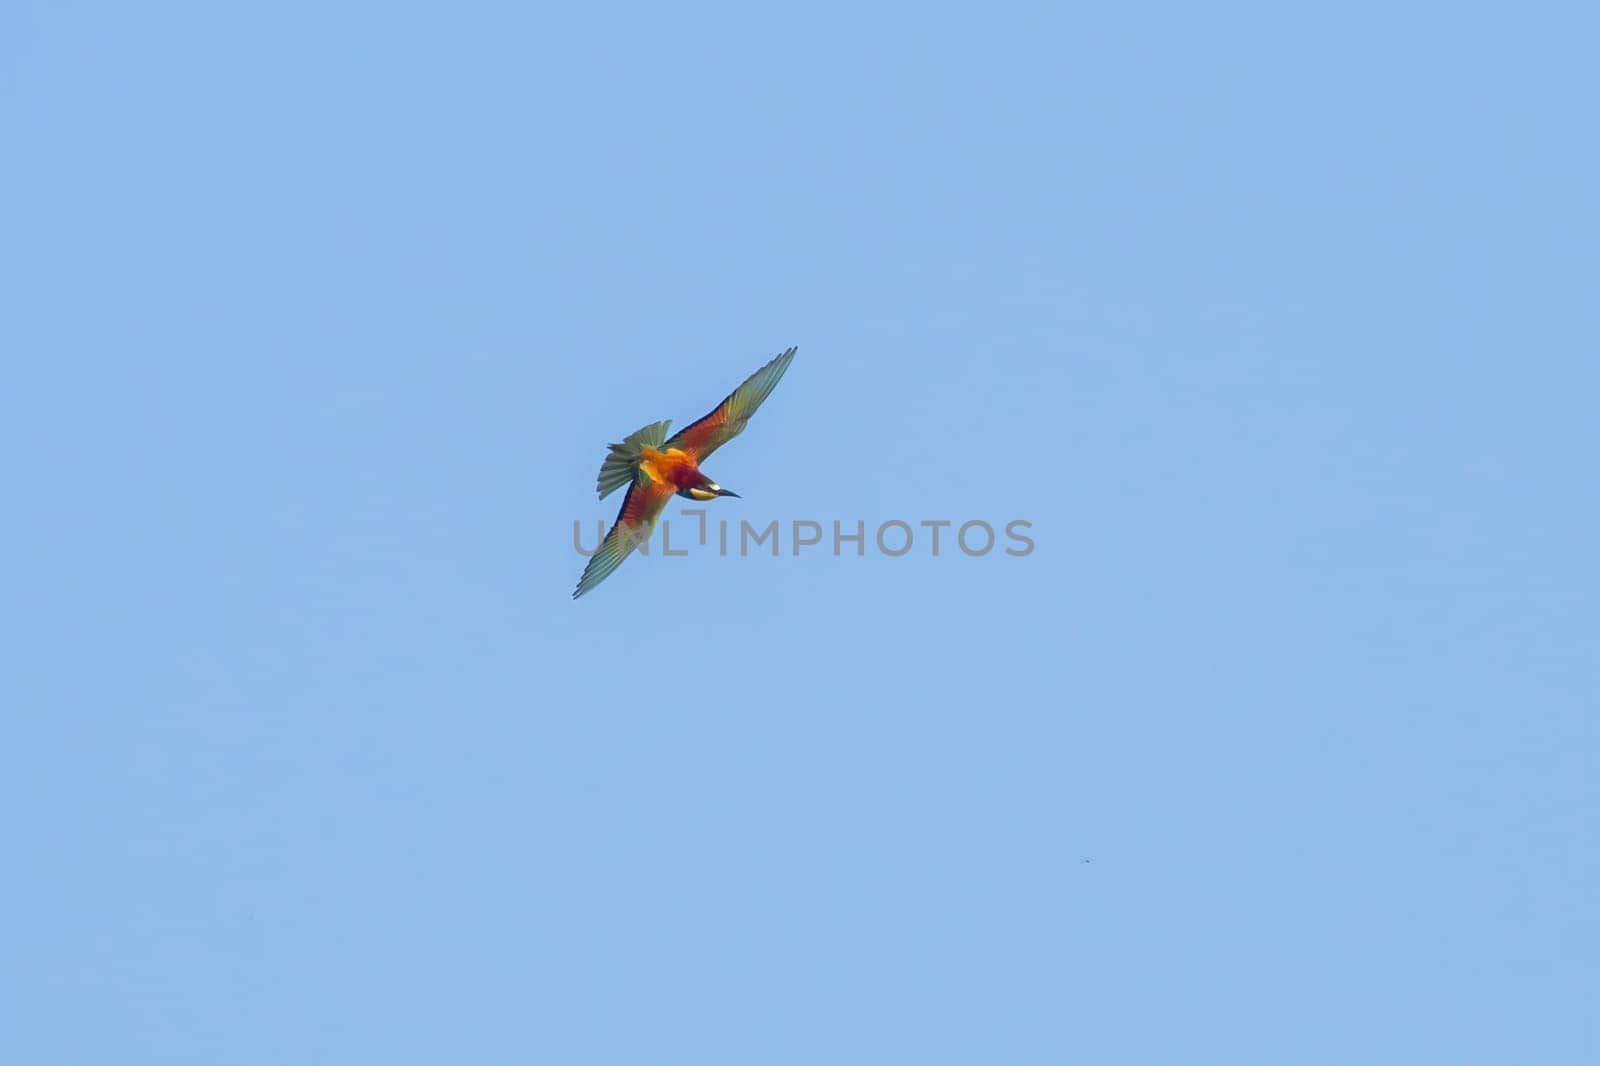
640, 508
728, 420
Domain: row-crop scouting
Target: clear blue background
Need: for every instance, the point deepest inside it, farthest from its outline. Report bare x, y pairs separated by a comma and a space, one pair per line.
1279, 327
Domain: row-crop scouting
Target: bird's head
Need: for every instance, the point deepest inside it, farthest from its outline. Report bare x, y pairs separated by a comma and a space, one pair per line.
706, 490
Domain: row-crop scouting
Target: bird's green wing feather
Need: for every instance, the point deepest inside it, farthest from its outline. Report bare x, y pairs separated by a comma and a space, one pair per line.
640, 508
728, 420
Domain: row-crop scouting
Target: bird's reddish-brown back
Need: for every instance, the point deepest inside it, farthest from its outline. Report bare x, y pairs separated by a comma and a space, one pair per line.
670, 467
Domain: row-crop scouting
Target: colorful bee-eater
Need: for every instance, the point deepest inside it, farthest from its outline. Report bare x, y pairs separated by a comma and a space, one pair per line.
656, 468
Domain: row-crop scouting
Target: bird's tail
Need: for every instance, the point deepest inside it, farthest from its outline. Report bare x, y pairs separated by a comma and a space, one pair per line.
623, 460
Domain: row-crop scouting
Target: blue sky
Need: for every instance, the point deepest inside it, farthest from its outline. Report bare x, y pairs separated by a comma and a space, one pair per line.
1278, 327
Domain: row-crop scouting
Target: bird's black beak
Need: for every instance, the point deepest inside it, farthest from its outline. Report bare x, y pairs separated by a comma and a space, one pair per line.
724, 492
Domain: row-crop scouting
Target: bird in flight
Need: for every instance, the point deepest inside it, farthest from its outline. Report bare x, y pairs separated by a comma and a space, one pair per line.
656, 467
